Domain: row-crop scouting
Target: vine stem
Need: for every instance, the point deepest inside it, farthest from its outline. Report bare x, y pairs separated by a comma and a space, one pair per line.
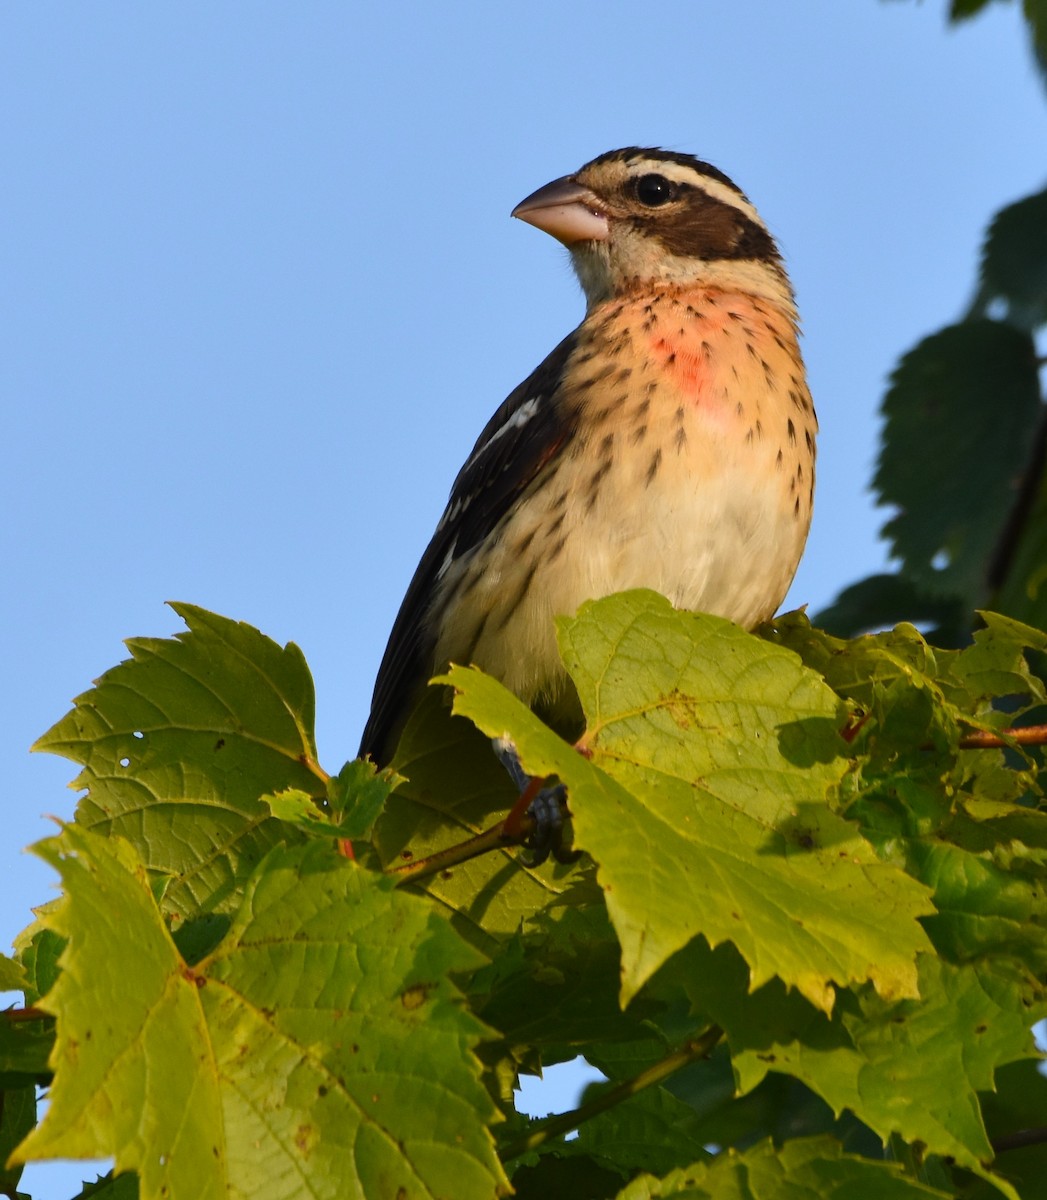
494, 838
1019, 1140
312, 765
982, 739
14, 1015
691, 1051
515, 829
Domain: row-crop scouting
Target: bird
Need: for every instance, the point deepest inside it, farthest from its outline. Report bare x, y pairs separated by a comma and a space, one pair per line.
668, 442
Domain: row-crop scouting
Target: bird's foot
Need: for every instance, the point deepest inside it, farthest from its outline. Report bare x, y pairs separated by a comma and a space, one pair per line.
546, 806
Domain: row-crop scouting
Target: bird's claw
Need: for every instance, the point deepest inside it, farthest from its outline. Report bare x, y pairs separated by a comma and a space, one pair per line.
546, 810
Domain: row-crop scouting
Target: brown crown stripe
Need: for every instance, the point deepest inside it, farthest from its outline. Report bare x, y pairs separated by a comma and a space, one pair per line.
630, 154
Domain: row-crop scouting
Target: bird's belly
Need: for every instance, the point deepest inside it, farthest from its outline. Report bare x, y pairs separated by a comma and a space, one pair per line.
724, 539
728, 546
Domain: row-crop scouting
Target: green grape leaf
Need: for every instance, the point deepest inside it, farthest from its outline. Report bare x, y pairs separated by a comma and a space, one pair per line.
709, 757
1022, 591
1019, 1099
553, 1177
917, 693
961, 10
986, 859
111, 1187
652, 1131
320, 1049
132, 1046
883, 600
355, 797
555, 984
455, 787
12, 975
17, 1118
25, 1047
972, 387
39, 950
911, 1067
179, 744
300, 810
780, 1106
1014, 260
893, 676
995, 665
803, 1169
1018, 1104
983, 907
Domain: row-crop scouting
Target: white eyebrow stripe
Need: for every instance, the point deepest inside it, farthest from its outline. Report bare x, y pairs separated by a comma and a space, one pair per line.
679, 173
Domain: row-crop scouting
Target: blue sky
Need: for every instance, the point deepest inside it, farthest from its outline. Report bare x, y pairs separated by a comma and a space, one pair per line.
261, 289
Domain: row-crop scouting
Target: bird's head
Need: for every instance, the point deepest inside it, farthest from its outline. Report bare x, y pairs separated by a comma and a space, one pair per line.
633, 218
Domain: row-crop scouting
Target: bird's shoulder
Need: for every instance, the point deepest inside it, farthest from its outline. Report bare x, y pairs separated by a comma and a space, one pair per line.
525, 433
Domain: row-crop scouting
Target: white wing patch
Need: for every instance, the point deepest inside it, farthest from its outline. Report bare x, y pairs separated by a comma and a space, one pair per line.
518, 420
448, 561
451, 513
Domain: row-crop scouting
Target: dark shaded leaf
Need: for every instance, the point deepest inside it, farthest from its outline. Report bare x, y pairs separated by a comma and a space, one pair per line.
17, 1117
885, 600
575, 1178
1014, 261
804, 1169
962, 413
960, 10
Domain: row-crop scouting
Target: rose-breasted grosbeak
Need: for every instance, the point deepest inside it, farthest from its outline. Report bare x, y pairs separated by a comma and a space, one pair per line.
668, 442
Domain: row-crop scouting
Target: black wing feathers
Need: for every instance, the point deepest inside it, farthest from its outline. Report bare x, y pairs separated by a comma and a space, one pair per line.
524, 434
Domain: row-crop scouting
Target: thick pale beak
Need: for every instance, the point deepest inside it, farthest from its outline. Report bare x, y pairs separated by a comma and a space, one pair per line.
566, 210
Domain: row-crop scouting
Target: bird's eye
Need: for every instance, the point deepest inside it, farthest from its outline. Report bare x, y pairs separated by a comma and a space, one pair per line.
654, 190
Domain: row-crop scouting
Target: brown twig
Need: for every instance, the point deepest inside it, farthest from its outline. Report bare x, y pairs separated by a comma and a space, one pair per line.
495, 838
518, 826
17, 1015
513, 831
1025, 499
982, 739
853, 727
311, 764
1019, 1140
513, 823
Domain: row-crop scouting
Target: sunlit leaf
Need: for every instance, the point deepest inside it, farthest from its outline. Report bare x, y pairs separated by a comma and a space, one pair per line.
179, 743
322, 1048
710, 755
804, 1169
